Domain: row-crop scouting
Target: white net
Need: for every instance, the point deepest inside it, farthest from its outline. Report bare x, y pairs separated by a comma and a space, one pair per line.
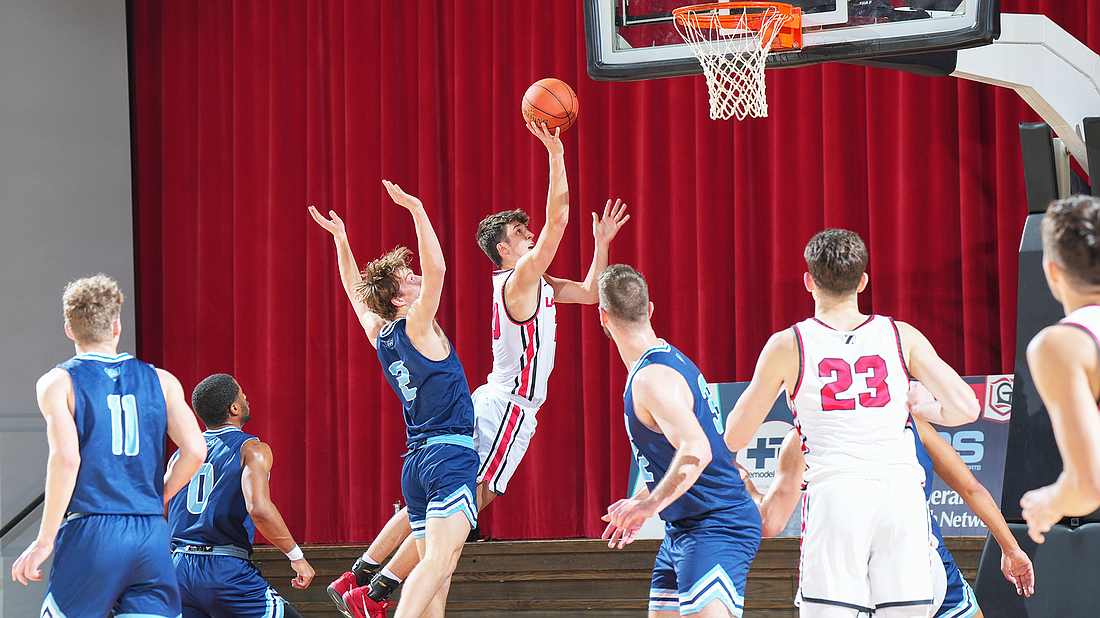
732, 45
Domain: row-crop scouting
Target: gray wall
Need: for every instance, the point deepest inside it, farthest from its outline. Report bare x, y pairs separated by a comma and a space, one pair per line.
65, 212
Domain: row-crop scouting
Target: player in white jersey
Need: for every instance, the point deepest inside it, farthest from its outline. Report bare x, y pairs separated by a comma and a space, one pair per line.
1064, 360
524, 319
865, 529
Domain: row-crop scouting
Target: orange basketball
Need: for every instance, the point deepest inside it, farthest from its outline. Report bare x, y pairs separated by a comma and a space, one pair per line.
551, 102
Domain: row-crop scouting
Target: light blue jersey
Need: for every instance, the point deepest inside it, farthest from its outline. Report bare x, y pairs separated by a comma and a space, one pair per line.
121, 420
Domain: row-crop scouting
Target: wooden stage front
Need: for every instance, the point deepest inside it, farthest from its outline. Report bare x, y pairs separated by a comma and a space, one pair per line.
552, 579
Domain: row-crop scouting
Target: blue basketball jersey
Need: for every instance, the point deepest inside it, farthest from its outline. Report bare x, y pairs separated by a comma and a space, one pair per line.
434, 394
719, 486
121, 420
211, 509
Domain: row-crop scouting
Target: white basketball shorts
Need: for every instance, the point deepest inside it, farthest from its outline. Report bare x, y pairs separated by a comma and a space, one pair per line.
502, 431
865, 544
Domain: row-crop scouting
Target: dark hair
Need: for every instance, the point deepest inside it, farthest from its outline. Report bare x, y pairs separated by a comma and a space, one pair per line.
836, 260
213, 397
381, 284
624, 294
494, 229
1071, 237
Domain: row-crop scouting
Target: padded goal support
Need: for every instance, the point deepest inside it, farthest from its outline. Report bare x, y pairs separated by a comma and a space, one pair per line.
1065, 575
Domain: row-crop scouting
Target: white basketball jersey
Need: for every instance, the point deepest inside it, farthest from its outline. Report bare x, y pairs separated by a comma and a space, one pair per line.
523, 352
1086, 318
849, 403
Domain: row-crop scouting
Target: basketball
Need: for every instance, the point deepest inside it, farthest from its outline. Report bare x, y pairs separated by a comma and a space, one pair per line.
551, 102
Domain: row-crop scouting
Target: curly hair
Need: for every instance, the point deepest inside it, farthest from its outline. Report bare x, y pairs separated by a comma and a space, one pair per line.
494, 229
380, 283
836, 260
213, 397
624, 294
1071, 238
92, 305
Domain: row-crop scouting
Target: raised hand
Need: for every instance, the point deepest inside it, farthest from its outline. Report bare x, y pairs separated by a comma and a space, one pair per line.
334, 226
401, 198
605, 228
552, 141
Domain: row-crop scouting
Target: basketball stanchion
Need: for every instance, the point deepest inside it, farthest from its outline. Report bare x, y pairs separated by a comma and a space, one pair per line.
732, 40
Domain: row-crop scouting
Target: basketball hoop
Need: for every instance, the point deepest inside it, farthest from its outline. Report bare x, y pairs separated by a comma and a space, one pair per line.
732, 41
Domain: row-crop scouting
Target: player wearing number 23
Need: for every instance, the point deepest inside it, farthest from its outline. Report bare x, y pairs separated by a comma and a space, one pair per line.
106, 481
865, 541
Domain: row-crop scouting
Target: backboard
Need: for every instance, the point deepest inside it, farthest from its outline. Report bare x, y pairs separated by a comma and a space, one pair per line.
636, 39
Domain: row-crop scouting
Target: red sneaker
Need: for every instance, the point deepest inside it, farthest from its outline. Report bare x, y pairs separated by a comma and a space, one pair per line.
362, 606
336, 591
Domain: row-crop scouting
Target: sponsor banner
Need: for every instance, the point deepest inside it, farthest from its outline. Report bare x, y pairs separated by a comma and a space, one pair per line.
980, 444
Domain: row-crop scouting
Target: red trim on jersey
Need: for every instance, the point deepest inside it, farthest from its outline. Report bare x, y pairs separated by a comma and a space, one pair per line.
502, 445
504, 301
801, 362
524, 383
901, 353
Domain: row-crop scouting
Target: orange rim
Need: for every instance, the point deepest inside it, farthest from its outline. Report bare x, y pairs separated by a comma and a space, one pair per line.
750, 14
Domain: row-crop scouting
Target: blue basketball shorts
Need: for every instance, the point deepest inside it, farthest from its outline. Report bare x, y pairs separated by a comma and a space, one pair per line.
706, 559
959, 602
224, 587
439, 480
119, 563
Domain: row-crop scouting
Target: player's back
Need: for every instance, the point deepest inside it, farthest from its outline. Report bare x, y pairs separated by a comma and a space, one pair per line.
850, 401
523, 352
434, 394
719, 486
1086, 318
211, 509
121, 420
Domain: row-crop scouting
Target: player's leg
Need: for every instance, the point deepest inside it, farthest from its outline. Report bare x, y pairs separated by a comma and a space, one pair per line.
959, 601
368, 567
428, 584
712, 557
85, 579
502, 433
837, 516
446, 474
664, 597
153, 589
898, 567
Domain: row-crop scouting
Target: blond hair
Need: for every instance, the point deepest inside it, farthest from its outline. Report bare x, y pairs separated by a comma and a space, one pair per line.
92, 305
381, 284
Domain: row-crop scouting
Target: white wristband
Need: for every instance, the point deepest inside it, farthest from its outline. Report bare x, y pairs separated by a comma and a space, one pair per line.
295, 554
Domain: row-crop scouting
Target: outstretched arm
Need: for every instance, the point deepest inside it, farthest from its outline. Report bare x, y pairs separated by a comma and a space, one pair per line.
349, 272
662, 401
957, 403
530, 268
947, 464
184, 431
604, 230
256, 461
1062, 358
421, 316
55, 400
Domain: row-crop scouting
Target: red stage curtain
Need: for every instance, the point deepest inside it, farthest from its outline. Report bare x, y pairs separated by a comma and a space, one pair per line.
248, 111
